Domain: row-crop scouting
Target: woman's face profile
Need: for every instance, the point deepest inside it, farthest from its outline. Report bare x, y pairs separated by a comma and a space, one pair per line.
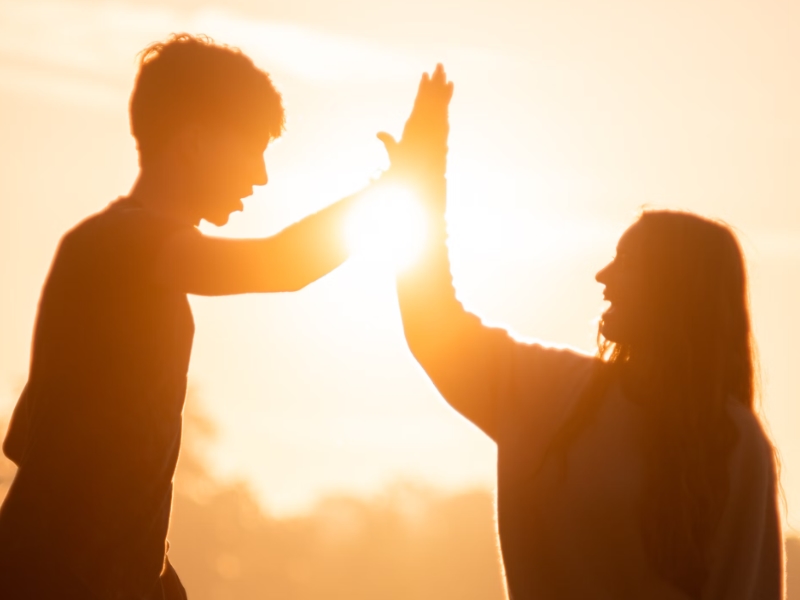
622, 278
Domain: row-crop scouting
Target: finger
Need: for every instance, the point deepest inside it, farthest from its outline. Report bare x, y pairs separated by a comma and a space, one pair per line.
445, 91
438, 74
389, 143
440, 87
424, 84
387, 139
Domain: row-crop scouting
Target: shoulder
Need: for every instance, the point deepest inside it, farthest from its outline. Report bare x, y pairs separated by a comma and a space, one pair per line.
551, 367
753, 455
546, 379
116, 246
546, 384
122, 231
120, 218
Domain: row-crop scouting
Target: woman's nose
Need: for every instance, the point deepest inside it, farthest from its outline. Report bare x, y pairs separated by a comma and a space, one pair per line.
601, 275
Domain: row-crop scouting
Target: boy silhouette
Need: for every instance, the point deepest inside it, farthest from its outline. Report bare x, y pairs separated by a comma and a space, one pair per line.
96, 432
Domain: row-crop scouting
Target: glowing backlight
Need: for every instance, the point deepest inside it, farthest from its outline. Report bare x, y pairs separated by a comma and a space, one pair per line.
388, 225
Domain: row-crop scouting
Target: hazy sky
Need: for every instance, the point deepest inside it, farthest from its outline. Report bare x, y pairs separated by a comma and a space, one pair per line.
567, 118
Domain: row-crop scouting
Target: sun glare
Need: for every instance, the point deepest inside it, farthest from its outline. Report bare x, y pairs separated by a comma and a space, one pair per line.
387, 226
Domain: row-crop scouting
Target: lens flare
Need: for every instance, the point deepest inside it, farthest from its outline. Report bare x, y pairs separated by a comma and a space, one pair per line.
387, 226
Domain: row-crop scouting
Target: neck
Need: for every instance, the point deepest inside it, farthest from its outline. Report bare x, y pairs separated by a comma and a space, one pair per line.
159, 192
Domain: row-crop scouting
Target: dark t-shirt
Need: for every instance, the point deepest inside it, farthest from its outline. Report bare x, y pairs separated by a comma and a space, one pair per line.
96, 432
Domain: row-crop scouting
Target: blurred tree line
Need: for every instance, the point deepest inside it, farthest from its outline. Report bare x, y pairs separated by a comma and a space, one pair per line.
407, 543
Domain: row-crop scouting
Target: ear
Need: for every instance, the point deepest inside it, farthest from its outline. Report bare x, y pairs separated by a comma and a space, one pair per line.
189, 141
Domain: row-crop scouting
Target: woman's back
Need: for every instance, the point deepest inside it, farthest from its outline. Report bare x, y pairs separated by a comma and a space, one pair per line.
570, 522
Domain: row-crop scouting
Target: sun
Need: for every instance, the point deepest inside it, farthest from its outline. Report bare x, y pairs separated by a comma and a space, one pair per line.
388, 226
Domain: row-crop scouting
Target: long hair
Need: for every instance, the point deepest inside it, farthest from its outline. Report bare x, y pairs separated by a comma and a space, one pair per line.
695, 355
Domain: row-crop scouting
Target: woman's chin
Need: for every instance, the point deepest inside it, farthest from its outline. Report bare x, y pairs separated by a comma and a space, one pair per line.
609, 329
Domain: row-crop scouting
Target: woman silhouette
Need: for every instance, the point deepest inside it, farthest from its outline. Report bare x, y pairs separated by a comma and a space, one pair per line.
642, 472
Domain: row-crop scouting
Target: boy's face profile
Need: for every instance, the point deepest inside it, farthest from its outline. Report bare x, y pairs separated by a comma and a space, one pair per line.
222, 166
202, 115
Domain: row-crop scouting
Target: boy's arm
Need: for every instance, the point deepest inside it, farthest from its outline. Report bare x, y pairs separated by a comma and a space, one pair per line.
194, 263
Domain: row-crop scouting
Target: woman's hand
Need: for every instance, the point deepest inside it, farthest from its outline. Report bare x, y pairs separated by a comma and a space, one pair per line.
422, 151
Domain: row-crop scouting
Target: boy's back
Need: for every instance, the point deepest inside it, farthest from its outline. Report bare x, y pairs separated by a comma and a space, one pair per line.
97, 431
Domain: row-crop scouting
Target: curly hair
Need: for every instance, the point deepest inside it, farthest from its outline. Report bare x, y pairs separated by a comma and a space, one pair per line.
191, 78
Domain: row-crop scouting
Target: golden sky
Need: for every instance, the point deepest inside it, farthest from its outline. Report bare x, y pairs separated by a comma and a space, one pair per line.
567, 118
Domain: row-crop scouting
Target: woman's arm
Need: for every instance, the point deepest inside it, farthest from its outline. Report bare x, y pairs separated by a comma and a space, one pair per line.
194, 263
467, 361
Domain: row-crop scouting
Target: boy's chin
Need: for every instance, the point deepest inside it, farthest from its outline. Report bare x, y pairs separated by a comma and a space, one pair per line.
218, 220
220, 213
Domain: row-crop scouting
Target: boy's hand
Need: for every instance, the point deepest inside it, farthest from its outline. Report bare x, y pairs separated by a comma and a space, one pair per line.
423, 147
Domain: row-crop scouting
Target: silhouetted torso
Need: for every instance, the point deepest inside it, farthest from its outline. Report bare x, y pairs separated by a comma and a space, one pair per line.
96, 433
569, 523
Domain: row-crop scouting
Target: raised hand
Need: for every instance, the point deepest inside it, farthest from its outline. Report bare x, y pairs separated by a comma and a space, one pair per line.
422, 151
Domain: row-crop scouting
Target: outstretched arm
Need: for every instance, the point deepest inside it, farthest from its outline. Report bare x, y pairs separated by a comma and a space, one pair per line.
288, 261
467, 361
